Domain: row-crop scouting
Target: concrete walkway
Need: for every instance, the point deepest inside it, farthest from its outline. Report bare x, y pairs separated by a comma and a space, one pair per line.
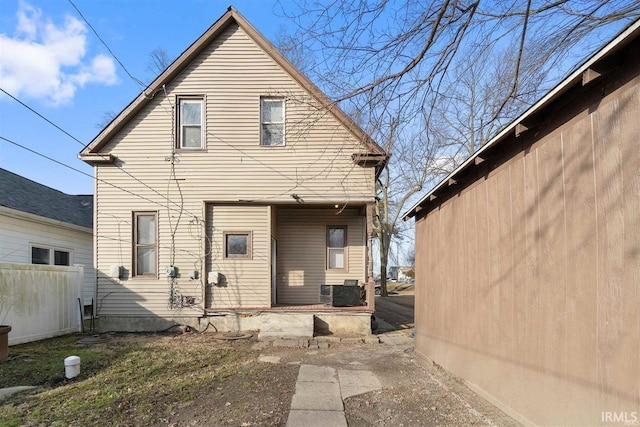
6, 392
319, 393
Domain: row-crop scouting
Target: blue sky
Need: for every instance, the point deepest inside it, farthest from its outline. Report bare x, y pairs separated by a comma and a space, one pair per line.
51, 60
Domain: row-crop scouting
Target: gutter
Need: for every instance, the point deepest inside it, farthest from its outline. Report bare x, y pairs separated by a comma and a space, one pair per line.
15, 213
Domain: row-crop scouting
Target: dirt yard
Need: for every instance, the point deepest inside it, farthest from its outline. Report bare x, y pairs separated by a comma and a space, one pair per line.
194, 379
414, 393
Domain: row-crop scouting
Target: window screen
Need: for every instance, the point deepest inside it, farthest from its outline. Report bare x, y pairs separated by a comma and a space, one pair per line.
272, 121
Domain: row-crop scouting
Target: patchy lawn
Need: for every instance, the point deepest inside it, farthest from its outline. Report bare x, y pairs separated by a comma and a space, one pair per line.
143, 379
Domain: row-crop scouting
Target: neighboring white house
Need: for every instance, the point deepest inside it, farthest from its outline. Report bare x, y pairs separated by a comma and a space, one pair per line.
400, 274
40, 225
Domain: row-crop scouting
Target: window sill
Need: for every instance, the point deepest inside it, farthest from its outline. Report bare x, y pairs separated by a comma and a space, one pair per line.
191, 150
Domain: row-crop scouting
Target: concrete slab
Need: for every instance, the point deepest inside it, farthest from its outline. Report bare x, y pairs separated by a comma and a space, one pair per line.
269, 359
372, 340
352, 340
261, 345
321, 374
286, 324
354, 382
274, 336
329, 338
316, 419
401, 339
317, 396
6, 392
291, 342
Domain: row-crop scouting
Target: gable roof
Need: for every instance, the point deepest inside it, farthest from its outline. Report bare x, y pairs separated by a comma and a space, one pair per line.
91, 153
582, 75
22, 194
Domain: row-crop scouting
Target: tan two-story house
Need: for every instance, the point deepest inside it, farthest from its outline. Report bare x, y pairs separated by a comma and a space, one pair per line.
228, 192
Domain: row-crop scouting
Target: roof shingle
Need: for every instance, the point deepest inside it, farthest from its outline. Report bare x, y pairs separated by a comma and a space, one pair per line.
22, 194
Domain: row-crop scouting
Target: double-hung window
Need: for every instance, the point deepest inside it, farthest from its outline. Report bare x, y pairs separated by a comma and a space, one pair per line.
191, 123
336, 247
145, 243
271, 121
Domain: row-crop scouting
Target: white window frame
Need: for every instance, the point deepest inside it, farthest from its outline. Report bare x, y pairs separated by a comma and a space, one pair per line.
344, 249
191, 100
284, 119
52, 250
135, 245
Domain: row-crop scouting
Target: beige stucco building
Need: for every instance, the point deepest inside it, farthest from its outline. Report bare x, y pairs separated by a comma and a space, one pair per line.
236, 170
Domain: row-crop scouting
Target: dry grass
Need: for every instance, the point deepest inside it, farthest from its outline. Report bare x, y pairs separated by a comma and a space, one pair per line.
129, 380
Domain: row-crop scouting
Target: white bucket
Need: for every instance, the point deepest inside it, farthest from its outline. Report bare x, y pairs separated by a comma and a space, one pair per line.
72, 367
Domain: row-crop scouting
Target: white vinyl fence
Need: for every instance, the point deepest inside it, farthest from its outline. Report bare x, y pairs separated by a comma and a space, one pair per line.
40, 301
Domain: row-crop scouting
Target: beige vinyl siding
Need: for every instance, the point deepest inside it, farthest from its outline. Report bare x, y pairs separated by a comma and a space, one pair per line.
232, 74
246, 281
142, 296
302, 252
18, 234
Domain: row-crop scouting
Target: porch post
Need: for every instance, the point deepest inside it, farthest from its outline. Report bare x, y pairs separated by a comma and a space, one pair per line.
371, 294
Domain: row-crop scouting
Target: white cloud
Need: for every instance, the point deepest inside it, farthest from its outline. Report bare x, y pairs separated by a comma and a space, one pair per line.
46, 61
27, 24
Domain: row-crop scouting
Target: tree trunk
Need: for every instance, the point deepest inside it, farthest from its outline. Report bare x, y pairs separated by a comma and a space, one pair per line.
384, 253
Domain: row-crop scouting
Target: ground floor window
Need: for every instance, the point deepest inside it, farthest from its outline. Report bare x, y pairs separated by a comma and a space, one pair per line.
237, 244
336, 247
145, 243
46, 255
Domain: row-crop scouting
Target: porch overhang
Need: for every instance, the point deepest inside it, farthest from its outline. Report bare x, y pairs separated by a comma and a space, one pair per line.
301, 308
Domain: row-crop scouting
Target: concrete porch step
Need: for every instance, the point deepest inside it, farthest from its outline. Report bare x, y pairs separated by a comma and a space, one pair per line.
286, 325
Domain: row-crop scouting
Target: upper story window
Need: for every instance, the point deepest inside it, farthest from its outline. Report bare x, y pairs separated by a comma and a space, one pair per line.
191, 123
49, 256
337, 247
145, 244
271, 121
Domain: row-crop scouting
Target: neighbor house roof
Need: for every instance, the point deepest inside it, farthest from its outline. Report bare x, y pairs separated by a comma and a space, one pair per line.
22, 194
583, 75
92, 154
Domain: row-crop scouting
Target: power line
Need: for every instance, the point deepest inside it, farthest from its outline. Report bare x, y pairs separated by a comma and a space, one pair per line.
84, 145
43, 117
140, 83
168, 200
82, 172
45, 156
